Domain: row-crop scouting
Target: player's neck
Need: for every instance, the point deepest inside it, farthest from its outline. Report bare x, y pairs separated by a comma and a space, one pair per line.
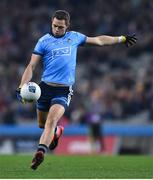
51, 33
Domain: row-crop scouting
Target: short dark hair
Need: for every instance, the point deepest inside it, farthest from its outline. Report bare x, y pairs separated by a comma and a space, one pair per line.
62, 15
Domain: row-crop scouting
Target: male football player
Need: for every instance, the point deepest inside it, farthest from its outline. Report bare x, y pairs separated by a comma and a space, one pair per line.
58, 50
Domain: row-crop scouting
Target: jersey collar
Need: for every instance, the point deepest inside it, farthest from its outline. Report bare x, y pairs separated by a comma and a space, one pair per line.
57, 36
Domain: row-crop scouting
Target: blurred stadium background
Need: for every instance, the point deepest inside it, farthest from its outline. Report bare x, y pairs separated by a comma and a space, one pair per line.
114, 84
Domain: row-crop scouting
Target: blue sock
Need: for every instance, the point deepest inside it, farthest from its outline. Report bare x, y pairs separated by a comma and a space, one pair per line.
42, 147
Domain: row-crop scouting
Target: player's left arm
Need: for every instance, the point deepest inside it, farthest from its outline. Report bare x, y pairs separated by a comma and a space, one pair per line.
128, 40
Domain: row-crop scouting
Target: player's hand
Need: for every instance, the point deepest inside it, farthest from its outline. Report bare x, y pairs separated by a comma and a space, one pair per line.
18, 95
130, 40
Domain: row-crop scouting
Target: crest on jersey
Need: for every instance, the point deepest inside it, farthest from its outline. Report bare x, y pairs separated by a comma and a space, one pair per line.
69, 40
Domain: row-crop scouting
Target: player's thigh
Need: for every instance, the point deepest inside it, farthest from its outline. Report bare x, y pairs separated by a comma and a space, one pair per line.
56, 111
41, 116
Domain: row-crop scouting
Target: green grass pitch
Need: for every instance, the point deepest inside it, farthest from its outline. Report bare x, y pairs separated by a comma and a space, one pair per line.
77, 167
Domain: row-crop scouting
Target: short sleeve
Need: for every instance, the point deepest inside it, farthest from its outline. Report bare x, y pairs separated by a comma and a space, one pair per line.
39, 50
81, 38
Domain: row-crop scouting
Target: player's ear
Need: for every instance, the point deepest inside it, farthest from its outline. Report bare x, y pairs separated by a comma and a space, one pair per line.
51, 21
68, 26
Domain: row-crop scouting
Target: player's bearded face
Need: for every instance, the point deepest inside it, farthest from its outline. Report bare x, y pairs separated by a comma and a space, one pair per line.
59, 27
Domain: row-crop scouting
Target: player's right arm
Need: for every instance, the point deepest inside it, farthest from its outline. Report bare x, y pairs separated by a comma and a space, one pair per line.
28, 73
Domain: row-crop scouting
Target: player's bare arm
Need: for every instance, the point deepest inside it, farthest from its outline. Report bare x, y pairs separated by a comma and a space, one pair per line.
27, 75
110, 40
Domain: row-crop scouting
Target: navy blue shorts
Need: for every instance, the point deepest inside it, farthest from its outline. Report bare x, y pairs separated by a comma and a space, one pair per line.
53, 95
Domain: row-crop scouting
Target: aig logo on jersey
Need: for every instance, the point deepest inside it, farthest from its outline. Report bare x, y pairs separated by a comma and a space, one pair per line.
61, 52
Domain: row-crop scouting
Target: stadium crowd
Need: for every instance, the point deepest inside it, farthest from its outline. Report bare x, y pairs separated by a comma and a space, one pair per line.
112, 82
